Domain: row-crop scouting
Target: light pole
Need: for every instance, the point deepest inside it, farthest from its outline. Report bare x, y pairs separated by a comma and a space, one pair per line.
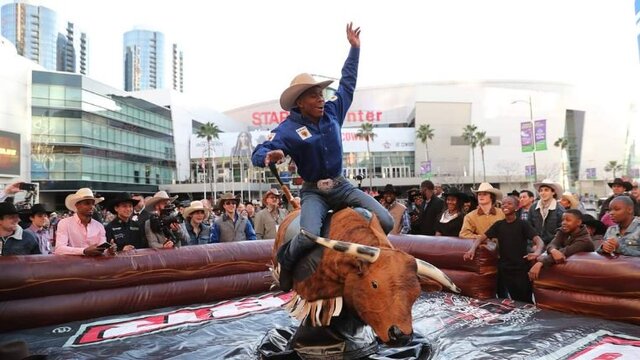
535, 165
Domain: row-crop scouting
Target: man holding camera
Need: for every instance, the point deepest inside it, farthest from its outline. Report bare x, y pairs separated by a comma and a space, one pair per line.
80, 234
162, 230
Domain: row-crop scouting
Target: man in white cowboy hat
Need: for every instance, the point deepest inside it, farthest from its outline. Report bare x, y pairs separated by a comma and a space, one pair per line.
311, 136
157, 237
545, 215
80, 234
197, 231
123, 231
268, 219
230, 226
477, 222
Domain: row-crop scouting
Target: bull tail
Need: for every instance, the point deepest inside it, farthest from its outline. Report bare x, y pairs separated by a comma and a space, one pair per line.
432, 272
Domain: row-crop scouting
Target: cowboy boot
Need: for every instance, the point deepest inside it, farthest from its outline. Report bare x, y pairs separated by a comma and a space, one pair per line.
288, 256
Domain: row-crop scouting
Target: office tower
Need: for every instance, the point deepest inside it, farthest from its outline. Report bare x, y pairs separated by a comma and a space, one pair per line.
34, 32
178, 70
143, 60
72, 51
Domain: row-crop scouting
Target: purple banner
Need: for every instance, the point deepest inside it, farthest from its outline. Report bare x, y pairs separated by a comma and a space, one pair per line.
530, 171
541, 134
591, 173
526, 136
425, 168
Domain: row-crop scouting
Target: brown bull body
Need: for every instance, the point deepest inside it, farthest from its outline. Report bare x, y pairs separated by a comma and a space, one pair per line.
381, 292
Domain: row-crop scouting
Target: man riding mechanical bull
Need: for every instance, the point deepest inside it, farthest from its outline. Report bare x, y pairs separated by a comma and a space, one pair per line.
378, 282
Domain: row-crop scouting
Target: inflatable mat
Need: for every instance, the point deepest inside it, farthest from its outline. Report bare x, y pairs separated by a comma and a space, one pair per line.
455, 327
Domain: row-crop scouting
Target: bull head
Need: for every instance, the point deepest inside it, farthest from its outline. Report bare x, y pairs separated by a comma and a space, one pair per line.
384, 286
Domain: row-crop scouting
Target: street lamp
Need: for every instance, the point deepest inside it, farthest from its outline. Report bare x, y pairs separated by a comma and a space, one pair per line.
535, 165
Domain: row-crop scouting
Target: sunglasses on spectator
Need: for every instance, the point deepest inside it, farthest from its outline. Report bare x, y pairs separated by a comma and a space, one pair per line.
229, 202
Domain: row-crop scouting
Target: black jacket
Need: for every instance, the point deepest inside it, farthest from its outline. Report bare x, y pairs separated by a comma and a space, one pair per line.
548, 227
429, 217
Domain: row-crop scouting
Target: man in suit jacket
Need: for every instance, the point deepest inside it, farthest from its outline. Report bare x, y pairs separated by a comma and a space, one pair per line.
431, 208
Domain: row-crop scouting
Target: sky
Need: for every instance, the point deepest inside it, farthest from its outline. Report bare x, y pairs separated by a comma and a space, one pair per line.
241, 52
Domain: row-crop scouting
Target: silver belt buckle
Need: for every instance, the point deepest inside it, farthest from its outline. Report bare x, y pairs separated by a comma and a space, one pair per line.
325, 184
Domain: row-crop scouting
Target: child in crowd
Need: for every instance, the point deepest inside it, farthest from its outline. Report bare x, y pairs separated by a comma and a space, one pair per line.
573, 237
513, 234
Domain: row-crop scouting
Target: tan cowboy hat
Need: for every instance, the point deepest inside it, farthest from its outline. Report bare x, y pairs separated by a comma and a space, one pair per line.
557, 188
227, 196
157, 197
82, 194
571, 199
270, 192
299, 84
486, 187
195, 206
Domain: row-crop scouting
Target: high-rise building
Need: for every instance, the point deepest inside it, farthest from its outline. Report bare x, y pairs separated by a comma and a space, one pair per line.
178, 69
34, 32
143, 60
72, 51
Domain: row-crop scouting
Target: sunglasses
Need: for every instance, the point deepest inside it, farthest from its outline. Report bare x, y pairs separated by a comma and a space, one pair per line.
229, 203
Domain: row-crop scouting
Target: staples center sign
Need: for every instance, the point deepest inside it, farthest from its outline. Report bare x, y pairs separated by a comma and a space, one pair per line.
273, 118
241, 144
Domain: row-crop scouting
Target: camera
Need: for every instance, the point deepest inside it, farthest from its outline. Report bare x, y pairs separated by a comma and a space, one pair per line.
27, 186
161, 223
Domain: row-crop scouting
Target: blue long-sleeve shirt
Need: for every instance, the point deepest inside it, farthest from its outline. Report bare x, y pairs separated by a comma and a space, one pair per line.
317, 151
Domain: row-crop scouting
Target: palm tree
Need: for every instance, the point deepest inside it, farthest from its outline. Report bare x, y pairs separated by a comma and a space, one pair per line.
366, 133
469, 135
483, 140
425, 133
210, 131
613, 166
562, 143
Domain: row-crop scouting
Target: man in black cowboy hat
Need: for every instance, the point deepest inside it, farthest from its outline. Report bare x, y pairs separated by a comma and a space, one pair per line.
619, 187
401, 224
13, 239
125, 233
39, 226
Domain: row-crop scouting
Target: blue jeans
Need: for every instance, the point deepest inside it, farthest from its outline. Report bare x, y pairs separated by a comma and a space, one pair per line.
315, 205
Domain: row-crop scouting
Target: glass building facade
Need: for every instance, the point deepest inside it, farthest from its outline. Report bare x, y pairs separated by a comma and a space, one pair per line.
143, 60
86, 134
33, 30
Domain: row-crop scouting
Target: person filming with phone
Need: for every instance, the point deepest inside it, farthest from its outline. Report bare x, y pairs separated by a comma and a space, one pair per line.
80, 234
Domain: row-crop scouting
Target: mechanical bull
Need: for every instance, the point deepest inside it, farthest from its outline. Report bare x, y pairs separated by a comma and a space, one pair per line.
374, 280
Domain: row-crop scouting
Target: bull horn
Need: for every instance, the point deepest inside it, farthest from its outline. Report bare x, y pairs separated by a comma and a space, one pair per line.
365, 253
430, 271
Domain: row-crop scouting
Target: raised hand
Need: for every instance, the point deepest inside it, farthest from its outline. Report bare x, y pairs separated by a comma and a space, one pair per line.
353, 35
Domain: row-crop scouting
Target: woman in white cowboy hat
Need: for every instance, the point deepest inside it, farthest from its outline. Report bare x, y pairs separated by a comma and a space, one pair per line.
311, 136
545, 215
80, 234
479, 220
230, 226
197, 231
268, 219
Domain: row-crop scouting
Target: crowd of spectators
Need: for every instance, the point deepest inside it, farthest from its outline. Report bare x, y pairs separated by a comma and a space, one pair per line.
532, 231
91, 226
